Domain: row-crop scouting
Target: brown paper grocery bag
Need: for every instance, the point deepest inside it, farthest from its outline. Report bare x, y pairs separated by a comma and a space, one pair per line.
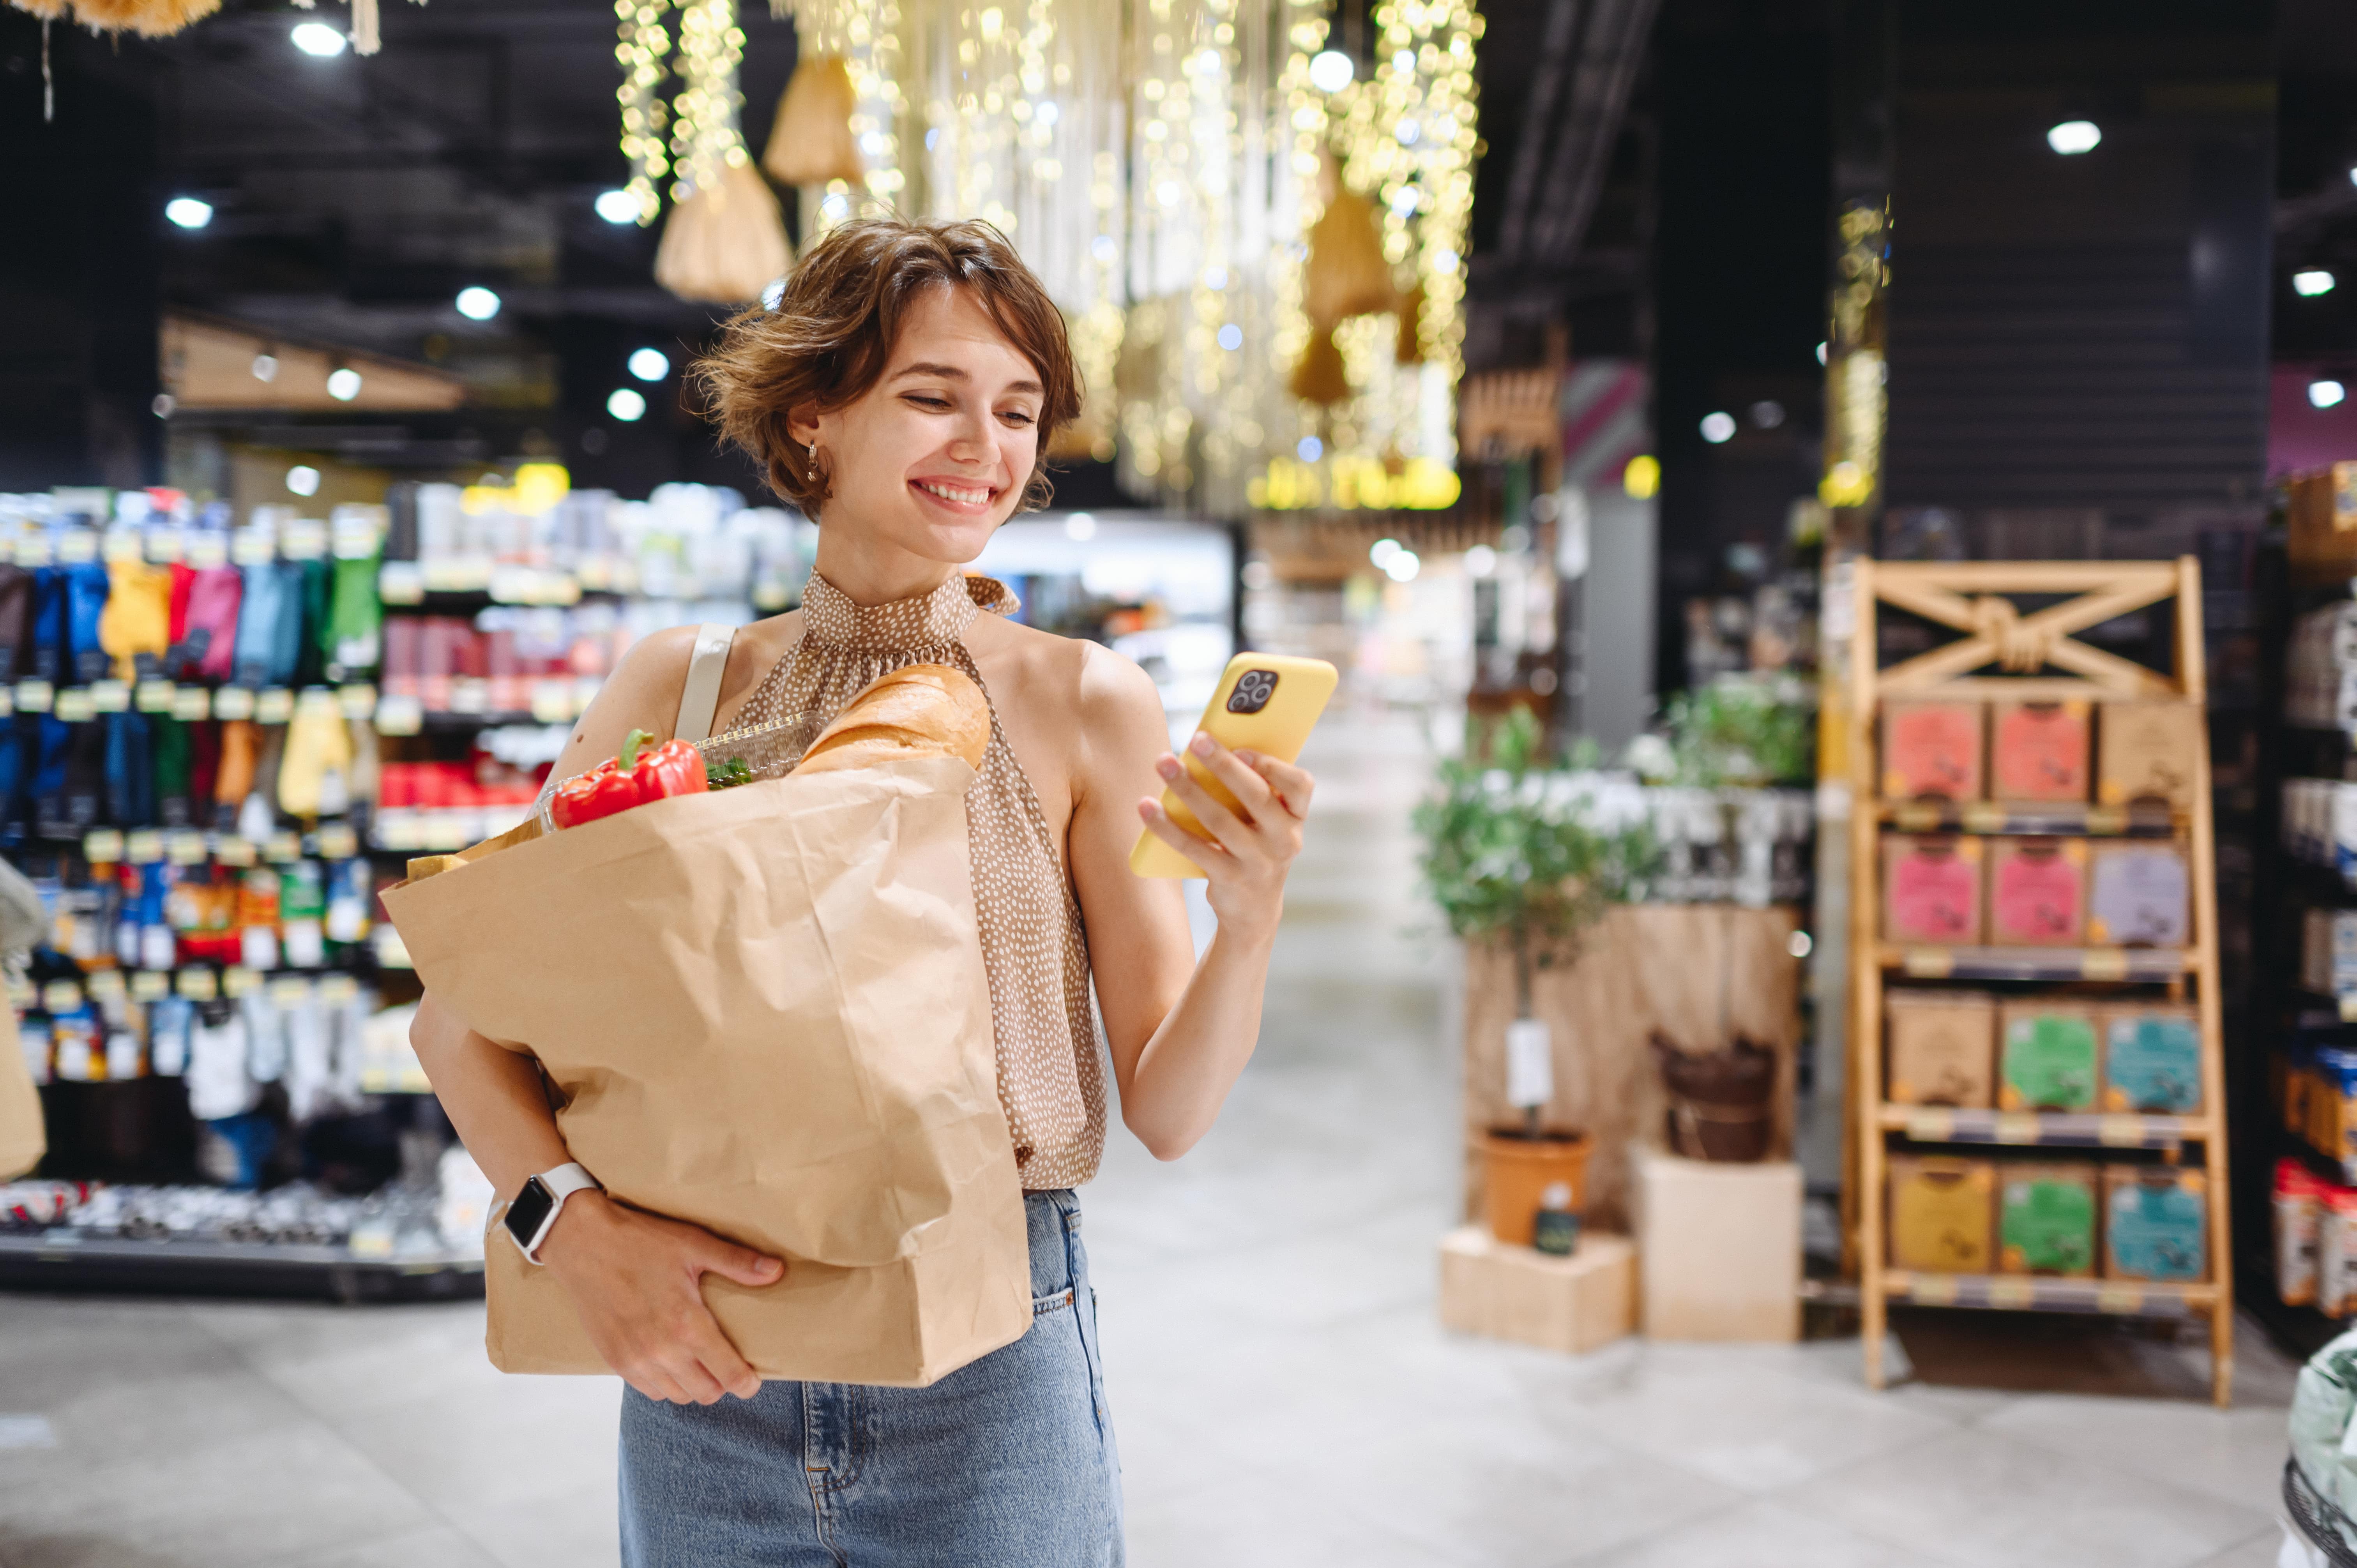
764, 1011
22, 1140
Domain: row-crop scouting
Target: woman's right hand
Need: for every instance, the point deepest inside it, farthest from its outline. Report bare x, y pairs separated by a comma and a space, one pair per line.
637, 1281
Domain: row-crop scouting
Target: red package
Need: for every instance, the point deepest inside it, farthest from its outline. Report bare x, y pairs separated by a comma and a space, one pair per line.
2038, 893
2041, 751
1931, 749
1932, 890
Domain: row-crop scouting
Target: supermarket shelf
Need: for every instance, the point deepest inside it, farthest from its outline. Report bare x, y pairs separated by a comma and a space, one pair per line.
2058, 819
2050, 1129
2146, 965
2346, 1000
2024, 1292
55, 1261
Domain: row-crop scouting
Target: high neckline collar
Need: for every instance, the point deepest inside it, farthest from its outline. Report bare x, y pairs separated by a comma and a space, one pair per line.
924, 621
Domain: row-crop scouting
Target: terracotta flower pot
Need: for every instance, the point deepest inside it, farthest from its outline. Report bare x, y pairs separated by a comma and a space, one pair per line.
1518, 1168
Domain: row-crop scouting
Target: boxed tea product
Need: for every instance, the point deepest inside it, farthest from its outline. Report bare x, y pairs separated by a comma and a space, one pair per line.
2138, 897
2328, 955
2299, 1200
2039, 751
2038, 893
2155, 1222
2048, 1058
1931, 889
1931, 749
2152, 1060
2046, 1218
1943, 1048
2146, 751
1943, 1214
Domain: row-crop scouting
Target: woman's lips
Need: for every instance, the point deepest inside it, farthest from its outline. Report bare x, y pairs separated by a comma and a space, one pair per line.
955, 494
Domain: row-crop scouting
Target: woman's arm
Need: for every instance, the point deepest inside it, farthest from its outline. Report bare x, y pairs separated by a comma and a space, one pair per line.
634, 1277
1180, 1030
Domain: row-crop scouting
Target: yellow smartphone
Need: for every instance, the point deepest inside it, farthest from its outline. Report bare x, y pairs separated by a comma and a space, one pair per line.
1266, 703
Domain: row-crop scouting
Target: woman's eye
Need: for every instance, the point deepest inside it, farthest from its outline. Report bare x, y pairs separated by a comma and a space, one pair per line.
1016, 417
929, 402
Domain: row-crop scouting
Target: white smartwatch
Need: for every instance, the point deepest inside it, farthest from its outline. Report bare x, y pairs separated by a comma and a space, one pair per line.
535, 1208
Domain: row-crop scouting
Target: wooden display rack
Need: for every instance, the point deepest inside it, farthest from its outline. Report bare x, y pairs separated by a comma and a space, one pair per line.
1969, 598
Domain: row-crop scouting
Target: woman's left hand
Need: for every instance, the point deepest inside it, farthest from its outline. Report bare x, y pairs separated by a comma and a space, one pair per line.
1253, 847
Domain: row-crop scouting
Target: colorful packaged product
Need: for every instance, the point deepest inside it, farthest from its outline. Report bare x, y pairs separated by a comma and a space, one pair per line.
2046, 1220
1941, 1048
2328, 954
2299, 1213
2138, 897
2048, 1059
2336, 1252
2038, 893
2039, 751
1931, 889
2155, 1223
2147, 751
1931, 749
1943, 1214
2152, 1060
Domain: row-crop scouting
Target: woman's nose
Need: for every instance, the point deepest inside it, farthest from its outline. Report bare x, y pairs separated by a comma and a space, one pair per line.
970, 442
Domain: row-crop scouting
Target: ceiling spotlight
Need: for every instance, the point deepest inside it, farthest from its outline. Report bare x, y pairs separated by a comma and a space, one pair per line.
2074, 137
319, 38
302, 479
343, 383
1718, 426
1380, 554
1481, 561
2313, 281
650, 364
1080, 528
1330, 72
478, 304
1821, 353
189, 212
265, 367
1403, 567
1310, 448
2326, 393
626, 405
1230, 338
618, 206
1767, 413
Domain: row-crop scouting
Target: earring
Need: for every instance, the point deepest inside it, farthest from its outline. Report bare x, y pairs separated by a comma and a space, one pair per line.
814, 463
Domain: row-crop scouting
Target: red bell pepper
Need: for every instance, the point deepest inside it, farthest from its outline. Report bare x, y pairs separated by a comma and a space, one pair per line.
640, 774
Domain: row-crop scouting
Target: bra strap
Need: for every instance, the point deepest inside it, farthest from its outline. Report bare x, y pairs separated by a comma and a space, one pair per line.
699, 700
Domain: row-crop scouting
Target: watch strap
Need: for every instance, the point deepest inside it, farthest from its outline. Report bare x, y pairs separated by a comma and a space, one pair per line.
560, 1184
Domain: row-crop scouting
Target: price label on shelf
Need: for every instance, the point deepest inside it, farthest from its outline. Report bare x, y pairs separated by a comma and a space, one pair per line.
7, 702
1933, 1290
399, 716
22, 996
233, 702
197, 984
35, 696
253, 546
2119, 1298
165, 545
290, 991
208, 549
359, 533
73, 706
335, 990
77, 546
283, 847
123, 543
156, 696
143, 846
401, 582
2016, 1127
60, 996
390, 951
337, 841
1932, 1125
32, 550
150, 984
356, 701
239, 980
316, 702
469, 694
102, 846
184, 846
304, 539
191, 705
274, 705
235, 850
110, 697
2105, 963
105, 985
2014, 1294
2120, 1131
551, 702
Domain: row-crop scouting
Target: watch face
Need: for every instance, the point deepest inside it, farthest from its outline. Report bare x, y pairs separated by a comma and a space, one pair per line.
529, 1211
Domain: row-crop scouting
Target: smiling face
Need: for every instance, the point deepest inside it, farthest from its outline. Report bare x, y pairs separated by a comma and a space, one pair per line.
934, 457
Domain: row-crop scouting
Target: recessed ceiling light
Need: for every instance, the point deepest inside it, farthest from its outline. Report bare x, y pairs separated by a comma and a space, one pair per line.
319, 38
265, 367
626, 405
343, 383
189, 212
2326, 393
1081, 527
1331, 70
2074, 137
478, 304
618, 206
302, 479
1718, 426
2312, 281
650, 364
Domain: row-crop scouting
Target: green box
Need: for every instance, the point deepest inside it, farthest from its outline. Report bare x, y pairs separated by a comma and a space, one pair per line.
2046, 1220
2048, 1059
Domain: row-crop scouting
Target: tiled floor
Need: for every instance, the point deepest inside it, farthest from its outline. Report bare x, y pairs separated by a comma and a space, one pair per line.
1283, 1394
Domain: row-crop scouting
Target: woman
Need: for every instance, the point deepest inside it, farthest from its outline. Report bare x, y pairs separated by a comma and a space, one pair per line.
904, 392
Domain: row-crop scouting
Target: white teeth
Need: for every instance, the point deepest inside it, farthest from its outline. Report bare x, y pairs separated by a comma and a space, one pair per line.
962, 498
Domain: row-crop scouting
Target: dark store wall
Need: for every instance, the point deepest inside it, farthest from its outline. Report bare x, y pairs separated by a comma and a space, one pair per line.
2082, 332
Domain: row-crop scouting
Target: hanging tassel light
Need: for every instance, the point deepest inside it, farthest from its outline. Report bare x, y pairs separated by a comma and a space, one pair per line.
724, 242
1346, 274
1409, 350
811, 141
1320, 377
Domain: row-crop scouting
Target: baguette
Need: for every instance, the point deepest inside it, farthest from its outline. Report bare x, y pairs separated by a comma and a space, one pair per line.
918, 710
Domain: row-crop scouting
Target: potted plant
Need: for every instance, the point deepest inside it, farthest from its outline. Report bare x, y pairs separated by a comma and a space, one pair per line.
1519, 853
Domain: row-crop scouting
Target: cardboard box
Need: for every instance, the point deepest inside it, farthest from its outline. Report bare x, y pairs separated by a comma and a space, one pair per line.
1943, 1214
2147, 751
1718, 1248
2155, 1223
2152, 1060
2038, 893
2320, 533
2138, 895
2046, 1218
1931, 889
1932, 749
2039, 751
1505, 1292
2047, 1056
2328, 955
1941, 1048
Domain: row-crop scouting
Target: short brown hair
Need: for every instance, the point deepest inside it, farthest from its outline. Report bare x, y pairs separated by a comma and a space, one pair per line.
832, 330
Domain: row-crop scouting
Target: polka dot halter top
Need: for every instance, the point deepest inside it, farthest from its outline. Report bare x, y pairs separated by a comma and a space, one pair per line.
1051, 1059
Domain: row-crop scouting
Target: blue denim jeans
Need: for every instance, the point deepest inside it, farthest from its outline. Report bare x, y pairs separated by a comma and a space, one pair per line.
1007, 1461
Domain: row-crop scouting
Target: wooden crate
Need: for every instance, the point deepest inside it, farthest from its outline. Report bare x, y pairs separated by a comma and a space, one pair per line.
1503, 1292
1719, 1248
